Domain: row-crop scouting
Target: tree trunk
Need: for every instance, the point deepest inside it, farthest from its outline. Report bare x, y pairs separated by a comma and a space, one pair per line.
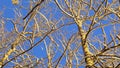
88, 55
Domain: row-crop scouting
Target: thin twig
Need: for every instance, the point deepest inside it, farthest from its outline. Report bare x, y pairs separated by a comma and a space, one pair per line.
33, 9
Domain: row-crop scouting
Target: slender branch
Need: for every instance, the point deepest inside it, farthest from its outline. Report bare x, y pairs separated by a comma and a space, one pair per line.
33, 9
63, 9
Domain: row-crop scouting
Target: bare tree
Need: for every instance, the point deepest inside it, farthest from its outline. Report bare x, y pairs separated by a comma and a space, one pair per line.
71, 33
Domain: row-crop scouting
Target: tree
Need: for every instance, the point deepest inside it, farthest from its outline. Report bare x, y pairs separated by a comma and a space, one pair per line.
71, 33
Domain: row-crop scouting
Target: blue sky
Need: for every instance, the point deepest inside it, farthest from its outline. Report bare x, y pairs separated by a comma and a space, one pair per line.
40, 51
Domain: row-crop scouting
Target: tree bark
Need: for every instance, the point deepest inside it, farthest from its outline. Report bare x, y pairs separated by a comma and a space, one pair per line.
88, 55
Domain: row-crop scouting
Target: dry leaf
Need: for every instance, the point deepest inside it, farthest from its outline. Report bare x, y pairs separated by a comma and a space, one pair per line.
15, 2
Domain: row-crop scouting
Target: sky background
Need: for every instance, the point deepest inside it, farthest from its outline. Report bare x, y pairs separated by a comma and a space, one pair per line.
6, 7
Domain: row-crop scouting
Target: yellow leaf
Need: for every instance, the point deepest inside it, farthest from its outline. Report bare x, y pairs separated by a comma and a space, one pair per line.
15, 2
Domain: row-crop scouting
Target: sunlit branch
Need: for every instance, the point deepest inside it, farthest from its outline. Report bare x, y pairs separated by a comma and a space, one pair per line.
56, 1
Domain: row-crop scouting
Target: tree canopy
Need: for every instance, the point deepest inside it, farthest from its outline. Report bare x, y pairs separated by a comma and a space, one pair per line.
60, 34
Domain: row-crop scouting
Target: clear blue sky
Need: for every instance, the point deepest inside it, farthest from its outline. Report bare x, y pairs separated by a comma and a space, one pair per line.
39, 51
